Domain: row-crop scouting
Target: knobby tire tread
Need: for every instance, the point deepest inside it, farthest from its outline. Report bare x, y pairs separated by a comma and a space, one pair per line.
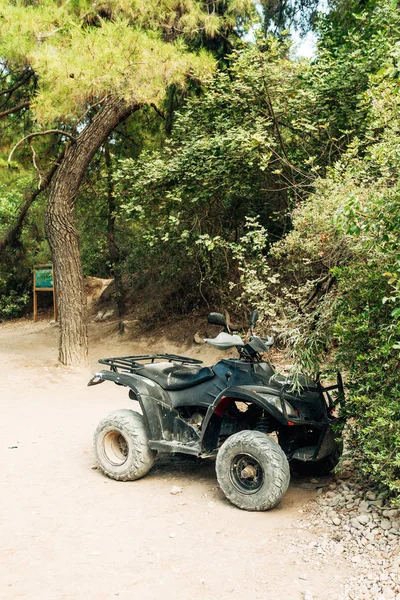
140, 457
275, 464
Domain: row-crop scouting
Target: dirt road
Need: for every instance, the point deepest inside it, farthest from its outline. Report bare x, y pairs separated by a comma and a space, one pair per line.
68, 532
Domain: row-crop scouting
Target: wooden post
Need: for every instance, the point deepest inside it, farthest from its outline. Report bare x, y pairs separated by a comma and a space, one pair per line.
34, 296
43, 282
54, 297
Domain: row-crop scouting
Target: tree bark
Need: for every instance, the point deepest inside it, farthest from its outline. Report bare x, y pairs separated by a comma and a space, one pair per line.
63, 235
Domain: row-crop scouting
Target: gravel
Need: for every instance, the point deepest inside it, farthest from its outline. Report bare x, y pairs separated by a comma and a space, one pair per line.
354, 522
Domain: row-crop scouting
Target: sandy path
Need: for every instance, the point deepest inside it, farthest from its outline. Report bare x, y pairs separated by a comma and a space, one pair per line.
68, 532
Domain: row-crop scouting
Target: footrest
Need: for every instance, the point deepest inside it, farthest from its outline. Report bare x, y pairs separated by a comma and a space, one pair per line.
305, 454
163, 446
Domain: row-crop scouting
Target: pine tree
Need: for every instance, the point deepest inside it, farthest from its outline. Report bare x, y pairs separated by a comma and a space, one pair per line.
94, 65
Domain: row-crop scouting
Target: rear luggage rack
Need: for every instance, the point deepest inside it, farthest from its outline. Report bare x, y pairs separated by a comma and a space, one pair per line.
130, 363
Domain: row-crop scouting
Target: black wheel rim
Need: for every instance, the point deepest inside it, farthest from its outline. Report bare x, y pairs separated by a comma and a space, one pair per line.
247, 474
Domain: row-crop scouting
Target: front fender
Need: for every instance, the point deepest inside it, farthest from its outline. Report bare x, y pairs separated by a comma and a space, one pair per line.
244, 393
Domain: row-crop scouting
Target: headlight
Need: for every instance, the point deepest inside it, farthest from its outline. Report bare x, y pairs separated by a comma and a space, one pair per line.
277, 403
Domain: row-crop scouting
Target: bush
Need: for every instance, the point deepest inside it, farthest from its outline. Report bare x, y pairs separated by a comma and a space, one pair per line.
13, 305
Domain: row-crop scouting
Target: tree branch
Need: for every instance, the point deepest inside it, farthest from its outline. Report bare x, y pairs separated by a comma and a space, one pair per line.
318, 285
158, 111
13, 232
35, 164
31, 135
226, 40
19, 84
14, 109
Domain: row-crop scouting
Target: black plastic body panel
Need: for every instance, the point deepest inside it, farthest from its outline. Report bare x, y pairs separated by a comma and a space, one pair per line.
233, 380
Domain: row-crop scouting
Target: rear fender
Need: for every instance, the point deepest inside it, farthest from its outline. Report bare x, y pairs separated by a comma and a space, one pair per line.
138, 386
163, 422
213, 419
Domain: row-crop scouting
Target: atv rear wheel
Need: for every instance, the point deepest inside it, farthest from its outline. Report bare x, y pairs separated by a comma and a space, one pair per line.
252, 470
121, 446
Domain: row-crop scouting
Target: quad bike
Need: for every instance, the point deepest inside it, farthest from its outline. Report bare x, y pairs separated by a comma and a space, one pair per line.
240, 411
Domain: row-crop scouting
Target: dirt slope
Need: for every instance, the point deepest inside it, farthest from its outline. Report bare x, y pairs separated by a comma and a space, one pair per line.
68, 532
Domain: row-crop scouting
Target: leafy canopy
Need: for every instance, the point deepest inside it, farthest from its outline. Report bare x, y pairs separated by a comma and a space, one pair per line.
132, 50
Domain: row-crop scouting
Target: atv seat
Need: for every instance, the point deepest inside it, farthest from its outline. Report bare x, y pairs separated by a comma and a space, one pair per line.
172, 376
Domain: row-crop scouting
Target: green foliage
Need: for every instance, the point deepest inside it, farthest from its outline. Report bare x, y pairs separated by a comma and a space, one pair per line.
29, 249
13, 305
82, 52
341, 304
252, 145
243, 149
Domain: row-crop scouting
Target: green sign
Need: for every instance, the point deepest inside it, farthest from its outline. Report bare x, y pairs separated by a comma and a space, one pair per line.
44, 278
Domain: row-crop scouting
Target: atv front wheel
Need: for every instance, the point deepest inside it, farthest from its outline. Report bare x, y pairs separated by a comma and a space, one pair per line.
121, 446
252, 470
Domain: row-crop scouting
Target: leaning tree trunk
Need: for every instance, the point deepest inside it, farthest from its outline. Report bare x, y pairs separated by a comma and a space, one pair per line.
62, 233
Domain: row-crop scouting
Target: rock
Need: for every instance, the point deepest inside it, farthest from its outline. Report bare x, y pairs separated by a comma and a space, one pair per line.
355, 523
98, 317
107, 314
385, 524
198, 339
303, 576
370, 495
364, 507
363, 519
307, 596
176, 489
392, 514
172, 534
356, 559
336, 500
396, 561
336, 521
380, 500
374, 590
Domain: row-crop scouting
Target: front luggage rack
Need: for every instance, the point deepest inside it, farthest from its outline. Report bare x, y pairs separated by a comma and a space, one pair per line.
130, 363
